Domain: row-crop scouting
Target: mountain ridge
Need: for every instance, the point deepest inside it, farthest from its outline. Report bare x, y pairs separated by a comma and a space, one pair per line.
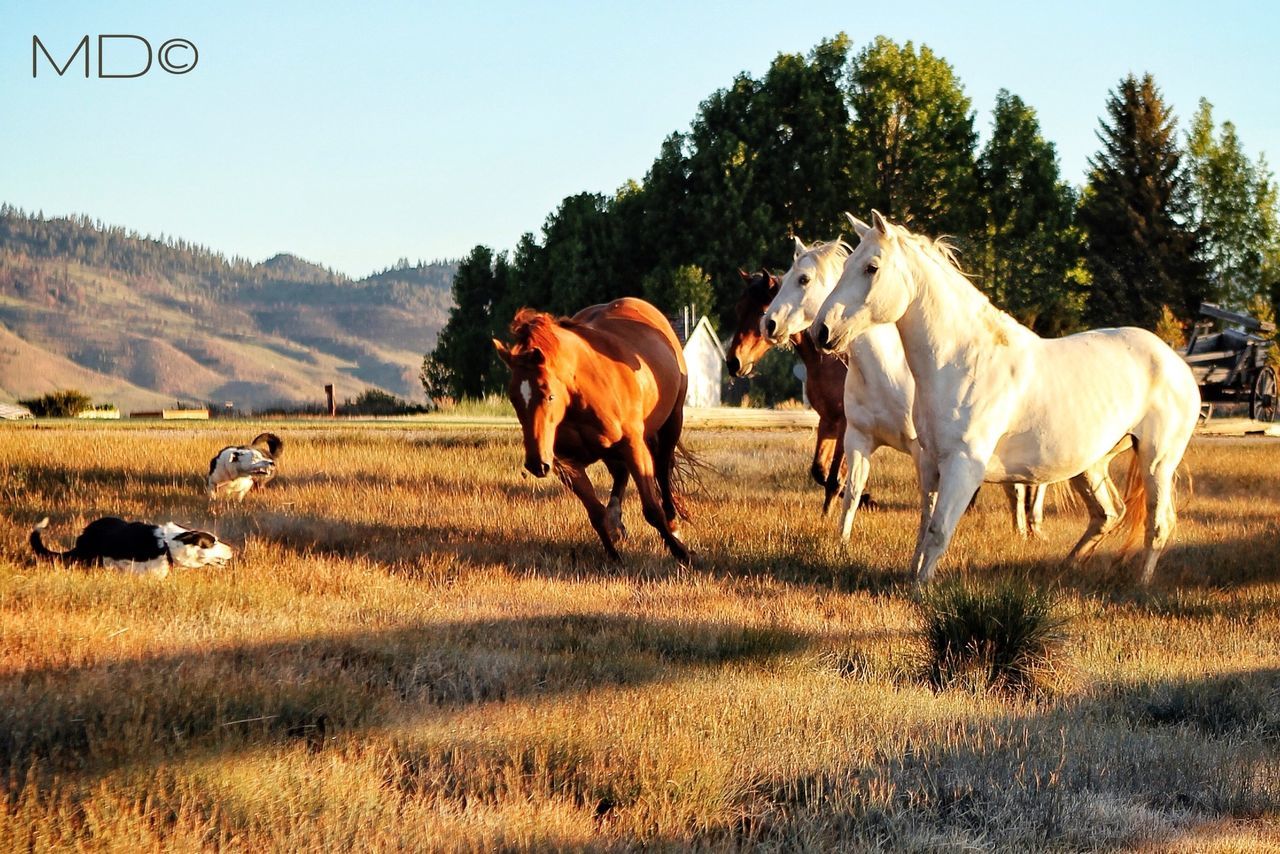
138, 321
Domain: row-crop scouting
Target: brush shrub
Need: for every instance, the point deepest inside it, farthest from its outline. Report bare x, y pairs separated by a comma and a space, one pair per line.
64, 403
1008, 639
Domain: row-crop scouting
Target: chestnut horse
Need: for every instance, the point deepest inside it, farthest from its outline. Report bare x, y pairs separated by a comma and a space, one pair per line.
823, 378
606, 385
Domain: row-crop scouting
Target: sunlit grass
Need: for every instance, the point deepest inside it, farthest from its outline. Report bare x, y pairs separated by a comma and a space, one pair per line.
419, 648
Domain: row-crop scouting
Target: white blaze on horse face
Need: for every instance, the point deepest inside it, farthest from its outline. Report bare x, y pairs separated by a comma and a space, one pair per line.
526, 392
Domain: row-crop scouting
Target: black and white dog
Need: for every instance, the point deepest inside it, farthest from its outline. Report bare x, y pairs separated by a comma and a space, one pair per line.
237, 469
138, 547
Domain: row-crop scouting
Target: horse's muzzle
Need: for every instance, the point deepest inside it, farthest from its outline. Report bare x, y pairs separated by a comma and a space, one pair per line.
736, 367
538, 468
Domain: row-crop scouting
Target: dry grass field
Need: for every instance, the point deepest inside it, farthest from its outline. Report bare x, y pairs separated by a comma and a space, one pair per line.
417, 648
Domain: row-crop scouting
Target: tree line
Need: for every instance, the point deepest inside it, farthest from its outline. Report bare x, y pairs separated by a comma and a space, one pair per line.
1164, 221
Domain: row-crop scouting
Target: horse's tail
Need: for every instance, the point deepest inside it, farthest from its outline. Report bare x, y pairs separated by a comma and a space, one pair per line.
38, 546
1134, 520
686, 479
1064, 497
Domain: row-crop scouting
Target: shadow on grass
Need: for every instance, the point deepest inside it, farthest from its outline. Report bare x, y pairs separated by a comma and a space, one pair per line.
87, 720
1158, 762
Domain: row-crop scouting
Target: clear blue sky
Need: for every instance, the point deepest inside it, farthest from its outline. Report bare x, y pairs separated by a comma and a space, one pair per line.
356, 133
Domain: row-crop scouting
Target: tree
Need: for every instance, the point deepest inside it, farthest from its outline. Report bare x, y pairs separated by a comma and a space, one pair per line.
578, 240
1234, 203
914, 139
764, 159
464, 358
1142, 251
1030, 250
685, 286
435, 378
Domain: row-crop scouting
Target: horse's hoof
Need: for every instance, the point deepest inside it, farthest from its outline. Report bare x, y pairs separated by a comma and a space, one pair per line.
613, 523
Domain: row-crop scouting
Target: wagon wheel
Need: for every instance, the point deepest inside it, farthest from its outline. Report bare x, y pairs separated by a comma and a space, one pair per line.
1262, 402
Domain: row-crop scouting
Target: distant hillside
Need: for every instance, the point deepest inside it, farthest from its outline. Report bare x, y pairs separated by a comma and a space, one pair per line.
140, 321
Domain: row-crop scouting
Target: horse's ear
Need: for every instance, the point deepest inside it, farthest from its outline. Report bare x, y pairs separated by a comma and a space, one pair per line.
743, 273
536, 356
860, 228
800, 247
503, 352
881, 224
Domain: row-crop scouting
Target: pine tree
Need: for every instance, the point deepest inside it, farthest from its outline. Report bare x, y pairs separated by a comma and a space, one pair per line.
463, 360
1028, 260
1141, 250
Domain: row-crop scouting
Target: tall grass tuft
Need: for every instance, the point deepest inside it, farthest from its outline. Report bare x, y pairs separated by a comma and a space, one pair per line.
1007, 639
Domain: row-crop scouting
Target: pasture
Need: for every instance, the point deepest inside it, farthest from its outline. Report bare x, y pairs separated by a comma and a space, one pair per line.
418, 648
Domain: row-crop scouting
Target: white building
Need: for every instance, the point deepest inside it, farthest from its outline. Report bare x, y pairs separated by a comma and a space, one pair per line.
704, 357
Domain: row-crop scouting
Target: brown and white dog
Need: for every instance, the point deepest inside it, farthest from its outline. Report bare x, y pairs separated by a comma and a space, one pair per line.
235, 470
137, 547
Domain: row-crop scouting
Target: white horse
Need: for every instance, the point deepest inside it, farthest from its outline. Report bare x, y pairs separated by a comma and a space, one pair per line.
878, 388
995, 401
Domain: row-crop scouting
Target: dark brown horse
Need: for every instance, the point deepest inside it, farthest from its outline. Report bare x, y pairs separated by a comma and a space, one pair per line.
606, 385
823, 383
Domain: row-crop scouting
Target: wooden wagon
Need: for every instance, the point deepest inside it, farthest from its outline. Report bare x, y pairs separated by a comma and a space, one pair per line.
1229, 357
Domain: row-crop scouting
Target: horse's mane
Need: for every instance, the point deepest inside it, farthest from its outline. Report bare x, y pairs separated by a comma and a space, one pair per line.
534, 329
838, 245
944, 252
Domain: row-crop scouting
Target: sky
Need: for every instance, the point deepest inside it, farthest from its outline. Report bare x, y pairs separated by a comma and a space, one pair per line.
355, 134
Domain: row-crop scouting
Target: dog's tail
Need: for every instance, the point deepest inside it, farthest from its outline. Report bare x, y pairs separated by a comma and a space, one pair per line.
38, 546
269, 444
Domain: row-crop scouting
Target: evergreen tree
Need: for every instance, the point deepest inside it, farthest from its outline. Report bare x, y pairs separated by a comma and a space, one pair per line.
579, 245
1234, 203
464, 361
1142, 252
1031, 250
914, 139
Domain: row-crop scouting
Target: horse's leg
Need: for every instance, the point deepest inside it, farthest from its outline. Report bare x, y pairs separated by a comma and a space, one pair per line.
1161, 514
1094, 486
835, 466
927, 477
1035, 509
858, 448
959, 477
1016, 493
613, 512
664, 460
575, 477
823, 450
640, 464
